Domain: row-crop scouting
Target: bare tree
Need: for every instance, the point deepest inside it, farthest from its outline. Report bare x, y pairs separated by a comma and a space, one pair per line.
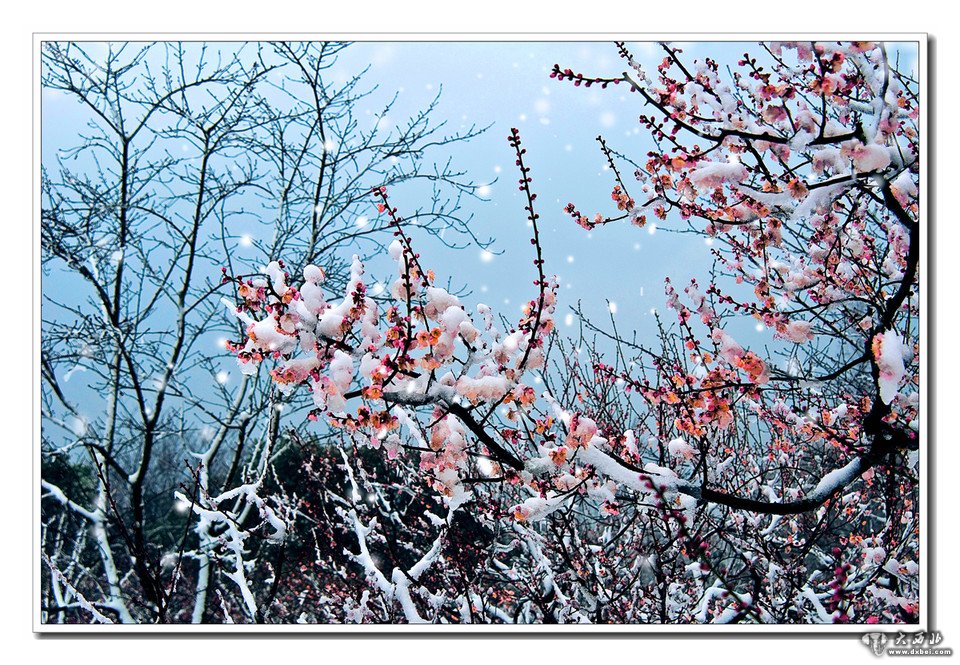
182, 142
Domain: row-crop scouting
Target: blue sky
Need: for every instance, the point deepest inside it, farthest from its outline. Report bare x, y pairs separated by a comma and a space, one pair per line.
507, 84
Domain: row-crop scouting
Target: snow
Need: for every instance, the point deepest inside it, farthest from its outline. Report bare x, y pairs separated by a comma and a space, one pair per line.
485, 388
713, 174
537, 508
888, 351
798, 331
341, 370
313, 274
728, 347
681, 449
835, 480
395, 250
871, 157
438, 301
